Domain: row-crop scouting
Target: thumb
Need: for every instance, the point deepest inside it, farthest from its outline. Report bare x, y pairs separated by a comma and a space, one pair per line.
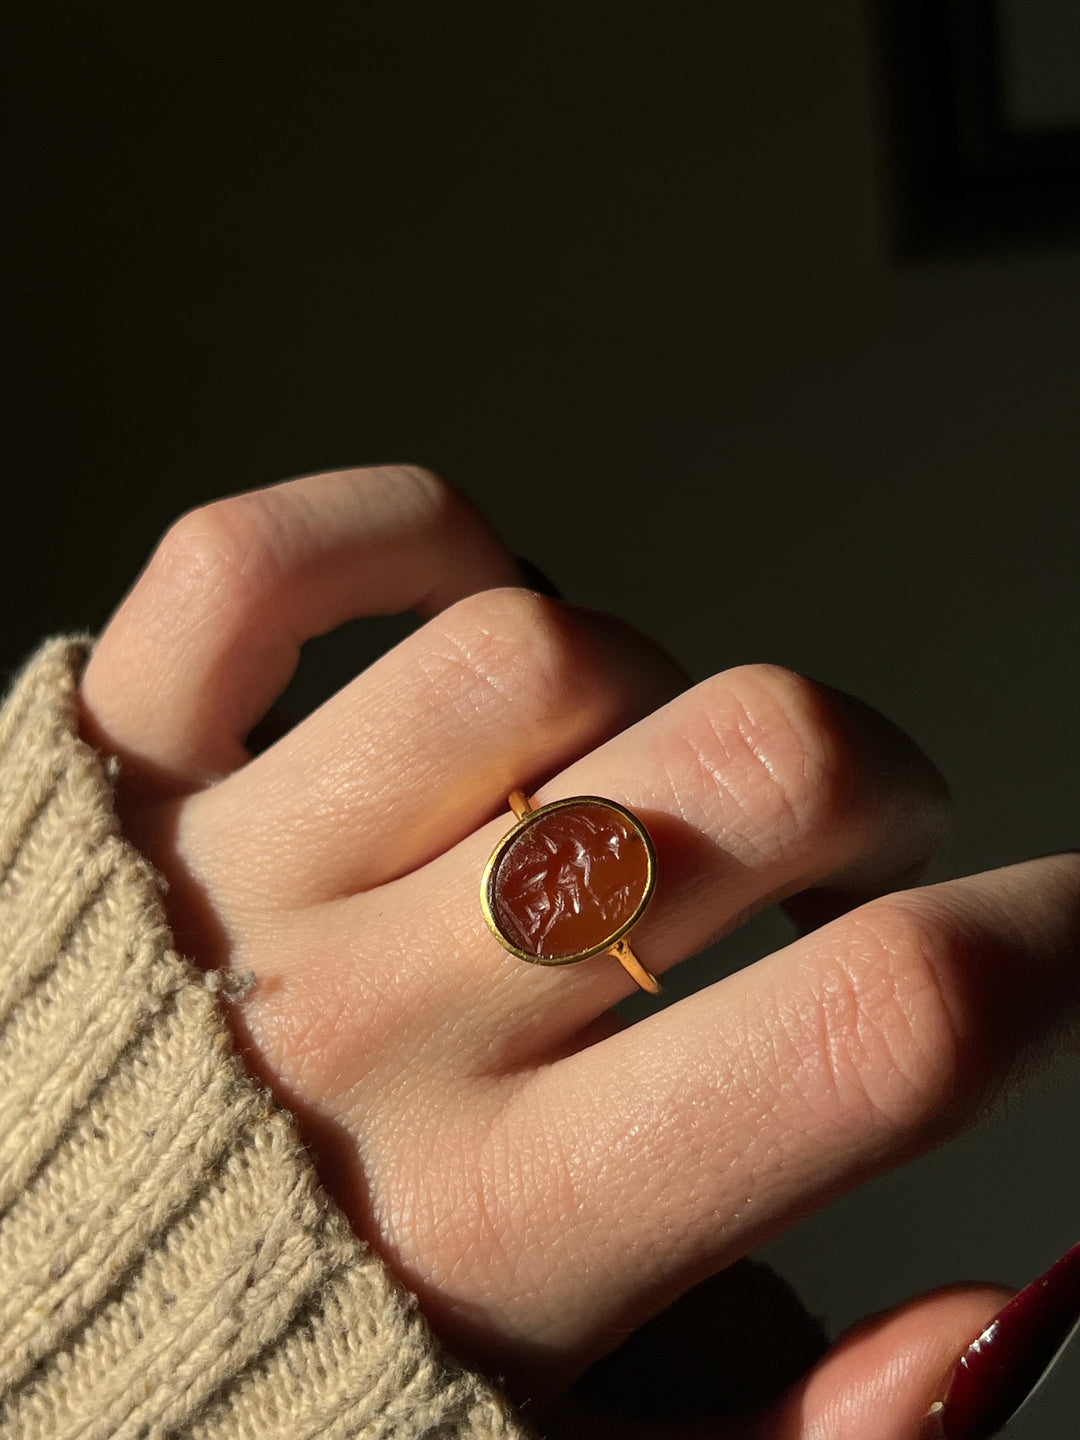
880, 1379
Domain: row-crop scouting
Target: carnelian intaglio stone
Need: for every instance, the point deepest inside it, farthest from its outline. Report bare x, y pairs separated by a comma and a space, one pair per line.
569, 880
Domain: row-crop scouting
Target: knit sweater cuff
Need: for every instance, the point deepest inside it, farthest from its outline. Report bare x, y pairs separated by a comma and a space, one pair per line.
168, 1261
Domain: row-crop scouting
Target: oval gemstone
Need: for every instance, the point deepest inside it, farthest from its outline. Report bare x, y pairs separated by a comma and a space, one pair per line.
569, 880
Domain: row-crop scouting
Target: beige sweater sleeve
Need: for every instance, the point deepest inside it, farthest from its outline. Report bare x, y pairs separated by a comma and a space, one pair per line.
168, 1263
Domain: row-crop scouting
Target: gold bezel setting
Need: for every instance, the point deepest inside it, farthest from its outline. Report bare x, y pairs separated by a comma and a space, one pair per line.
532, 817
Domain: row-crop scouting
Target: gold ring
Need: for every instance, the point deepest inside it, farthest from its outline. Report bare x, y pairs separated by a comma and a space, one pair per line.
570, 880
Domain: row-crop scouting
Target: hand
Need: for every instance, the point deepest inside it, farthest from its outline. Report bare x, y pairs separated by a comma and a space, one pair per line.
544, 1177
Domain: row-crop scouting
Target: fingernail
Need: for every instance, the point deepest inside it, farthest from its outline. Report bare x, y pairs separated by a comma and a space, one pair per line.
535, 579
1004, 1367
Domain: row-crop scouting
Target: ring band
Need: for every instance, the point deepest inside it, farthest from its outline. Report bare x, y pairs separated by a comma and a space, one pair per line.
569, 881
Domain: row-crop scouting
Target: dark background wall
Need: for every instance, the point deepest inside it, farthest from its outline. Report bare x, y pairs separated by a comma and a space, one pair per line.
626, 276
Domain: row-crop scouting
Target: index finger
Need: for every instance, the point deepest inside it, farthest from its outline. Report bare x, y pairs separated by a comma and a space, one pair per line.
210, 634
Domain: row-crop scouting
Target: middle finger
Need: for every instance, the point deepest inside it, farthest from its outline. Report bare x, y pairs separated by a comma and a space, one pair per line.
423, 746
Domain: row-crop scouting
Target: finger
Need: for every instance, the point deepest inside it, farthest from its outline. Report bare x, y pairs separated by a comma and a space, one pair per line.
877, 1382
765, 1096
880, 1379
408, 975
755, 784
425, 745
276, 723
211, 632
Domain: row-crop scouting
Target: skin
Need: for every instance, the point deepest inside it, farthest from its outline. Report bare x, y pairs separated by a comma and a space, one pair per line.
482, 1121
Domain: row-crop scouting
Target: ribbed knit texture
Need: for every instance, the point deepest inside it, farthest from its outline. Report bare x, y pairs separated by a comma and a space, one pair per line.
168, 1263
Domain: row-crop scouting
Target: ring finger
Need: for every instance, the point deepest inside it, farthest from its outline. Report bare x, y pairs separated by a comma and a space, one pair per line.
757, 784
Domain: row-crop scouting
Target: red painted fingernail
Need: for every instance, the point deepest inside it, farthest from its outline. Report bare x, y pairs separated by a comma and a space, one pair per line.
1016, 1351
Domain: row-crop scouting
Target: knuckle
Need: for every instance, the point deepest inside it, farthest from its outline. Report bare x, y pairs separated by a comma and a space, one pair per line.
426, 499
775, 743
216, 556
515, 643
421, 481
897, 1040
